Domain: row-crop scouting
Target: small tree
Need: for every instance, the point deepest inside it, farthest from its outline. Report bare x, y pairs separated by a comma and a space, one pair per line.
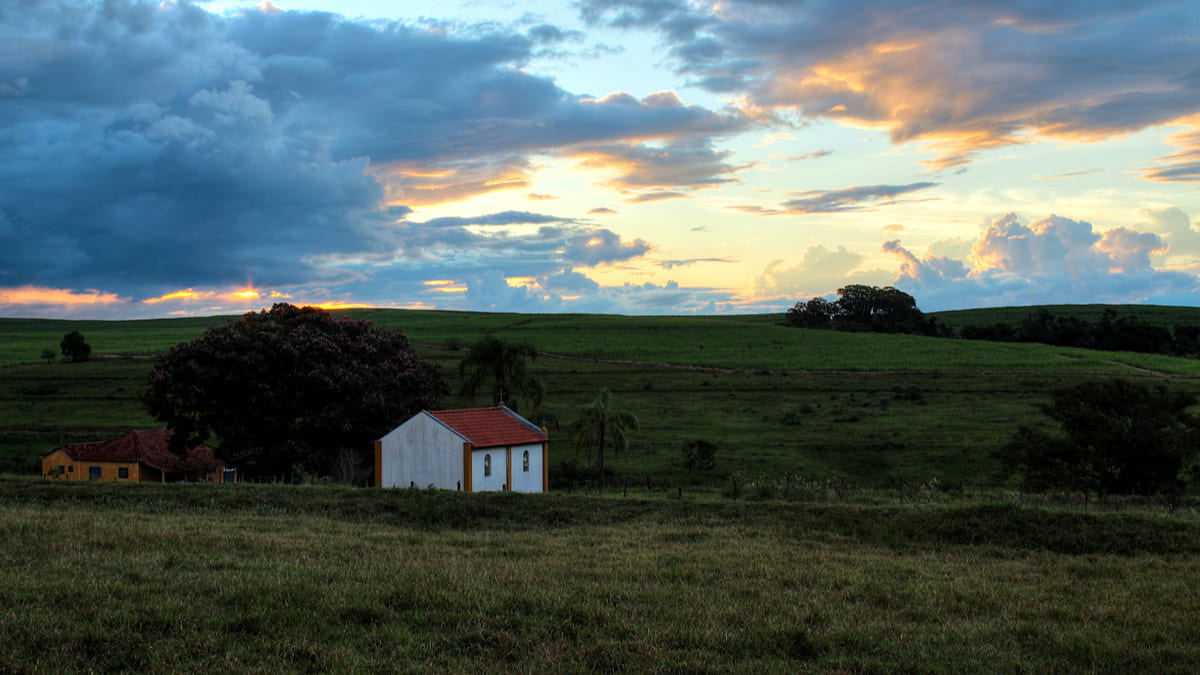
598, 420
74, 347
1117, 437
49, 355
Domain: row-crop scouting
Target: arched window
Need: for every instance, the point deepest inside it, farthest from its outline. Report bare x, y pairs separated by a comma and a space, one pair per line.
487, 465
525, 462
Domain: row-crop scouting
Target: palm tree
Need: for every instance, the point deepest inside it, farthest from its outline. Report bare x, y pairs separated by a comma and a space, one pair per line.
506, 365
598, 419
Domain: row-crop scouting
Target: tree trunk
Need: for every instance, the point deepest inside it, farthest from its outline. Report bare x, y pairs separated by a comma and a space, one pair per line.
602, 460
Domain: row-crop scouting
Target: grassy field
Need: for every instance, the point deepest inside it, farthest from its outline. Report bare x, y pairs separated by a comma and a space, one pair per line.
136, 578
878, 409
923, 573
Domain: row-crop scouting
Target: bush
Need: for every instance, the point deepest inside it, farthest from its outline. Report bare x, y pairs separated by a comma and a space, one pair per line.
699, 456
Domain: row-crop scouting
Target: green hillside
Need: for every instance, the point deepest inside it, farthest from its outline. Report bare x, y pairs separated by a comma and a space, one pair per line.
879, 409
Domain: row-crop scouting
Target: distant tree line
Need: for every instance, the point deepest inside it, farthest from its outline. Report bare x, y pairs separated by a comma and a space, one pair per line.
1111, 333
871, 309
862, 308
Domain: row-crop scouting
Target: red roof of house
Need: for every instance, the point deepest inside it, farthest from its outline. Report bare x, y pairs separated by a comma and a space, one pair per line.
145, 446
491, 427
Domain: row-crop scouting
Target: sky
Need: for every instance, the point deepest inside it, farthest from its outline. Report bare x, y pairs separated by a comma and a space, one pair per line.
612, 156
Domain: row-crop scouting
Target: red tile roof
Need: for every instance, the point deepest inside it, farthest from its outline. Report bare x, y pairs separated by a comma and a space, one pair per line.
146, 446
491, 427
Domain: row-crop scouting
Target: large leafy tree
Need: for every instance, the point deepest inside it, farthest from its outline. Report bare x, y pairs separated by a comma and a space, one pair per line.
75, 347
291, 386
600, 421
1115, 436
502, 369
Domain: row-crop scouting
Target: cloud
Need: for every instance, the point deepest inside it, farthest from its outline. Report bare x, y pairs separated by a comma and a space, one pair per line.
672, 264
812, 155
1053, 260
601, 210
692, 164
1183, 165
820, 271
658, 196
571, 290
1183, 240
850, 199
495, 219
149, 147
959, 78
1071, 174
602, 247
37, 296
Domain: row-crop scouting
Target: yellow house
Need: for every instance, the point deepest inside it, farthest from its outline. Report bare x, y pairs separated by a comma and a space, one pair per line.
139, 455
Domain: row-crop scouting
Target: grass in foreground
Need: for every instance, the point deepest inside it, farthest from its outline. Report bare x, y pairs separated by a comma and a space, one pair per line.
261, 579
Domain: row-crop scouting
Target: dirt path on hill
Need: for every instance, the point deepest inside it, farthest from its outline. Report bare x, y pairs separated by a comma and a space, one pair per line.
1139, 371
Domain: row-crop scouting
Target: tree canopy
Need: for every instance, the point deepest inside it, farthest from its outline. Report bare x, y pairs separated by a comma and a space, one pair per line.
600, 420
506, 366
291, 386
74, 347
863, 308
1116, 437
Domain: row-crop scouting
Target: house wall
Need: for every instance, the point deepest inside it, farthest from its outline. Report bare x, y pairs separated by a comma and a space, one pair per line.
508, 469
480, 482
82, 470
531, 480
422, 451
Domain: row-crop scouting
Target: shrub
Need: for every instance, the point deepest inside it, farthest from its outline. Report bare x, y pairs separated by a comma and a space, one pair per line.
699, 455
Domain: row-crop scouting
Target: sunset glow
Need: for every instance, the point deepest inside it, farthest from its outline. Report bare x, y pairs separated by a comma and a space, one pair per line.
593, 156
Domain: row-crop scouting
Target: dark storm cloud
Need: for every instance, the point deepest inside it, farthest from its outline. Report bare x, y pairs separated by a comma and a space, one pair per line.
150, 147
963, 77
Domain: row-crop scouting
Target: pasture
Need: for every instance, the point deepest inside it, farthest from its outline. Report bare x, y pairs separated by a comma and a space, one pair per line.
255, 578
920, 571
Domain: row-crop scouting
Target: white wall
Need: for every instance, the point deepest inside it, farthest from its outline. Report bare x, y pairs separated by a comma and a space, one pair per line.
494, 482
527, 481
423, 451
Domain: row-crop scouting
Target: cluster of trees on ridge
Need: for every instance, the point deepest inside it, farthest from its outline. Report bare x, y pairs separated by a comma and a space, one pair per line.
889, 310
862, 308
